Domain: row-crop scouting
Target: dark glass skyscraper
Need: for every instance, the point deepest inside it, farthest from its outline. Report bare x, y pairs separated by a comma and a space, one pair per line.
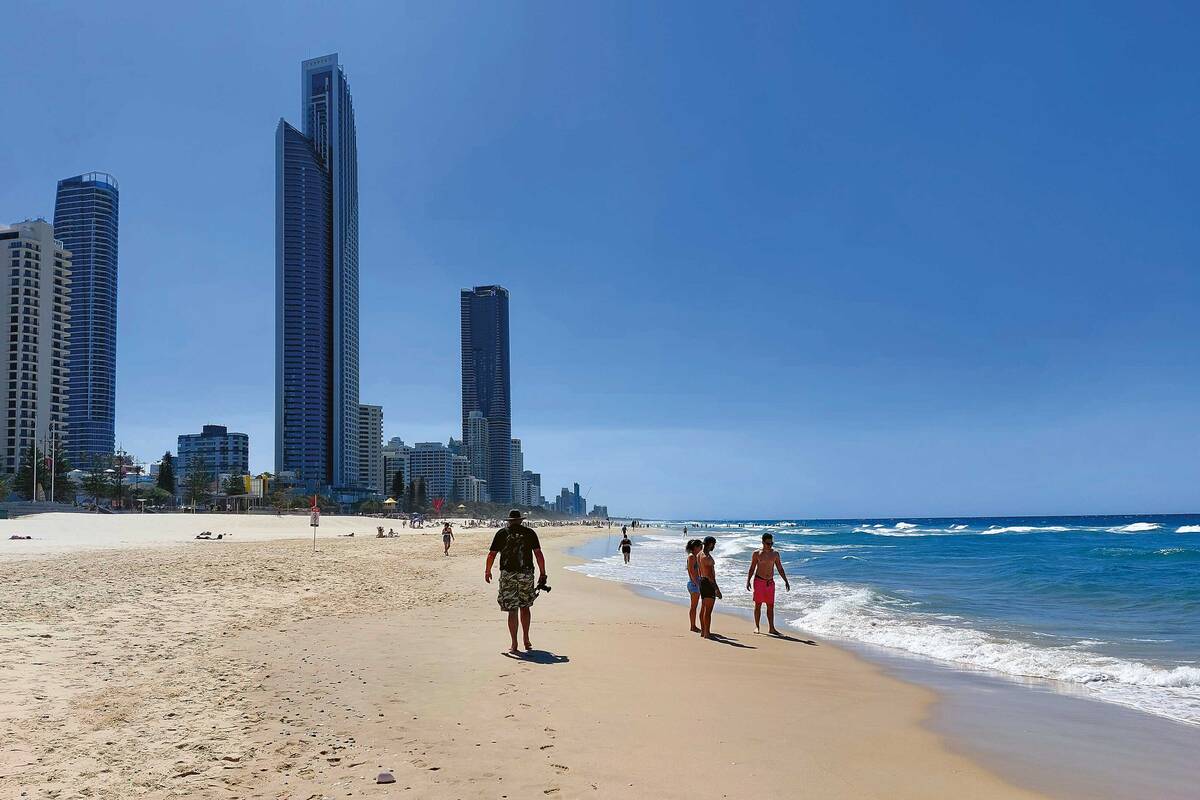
485, 380
316, 284
85, 221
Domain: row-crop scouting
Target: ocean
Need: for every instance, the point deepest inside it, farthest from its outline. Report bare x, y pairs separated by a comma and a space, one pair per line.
1108, 607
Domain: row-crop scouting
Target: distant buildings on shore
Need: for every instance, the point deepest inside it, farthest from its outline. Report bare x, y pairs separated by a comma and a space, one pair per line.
60, 288
215, 450
60, 293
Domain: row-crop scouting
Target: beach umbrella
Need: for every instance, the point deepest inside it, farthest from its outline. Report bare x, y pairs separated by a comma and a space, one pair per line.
391, 501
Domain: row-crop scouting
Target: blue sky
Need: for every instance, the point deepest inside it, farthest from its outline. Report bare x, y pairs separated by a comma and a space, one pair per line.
771, 260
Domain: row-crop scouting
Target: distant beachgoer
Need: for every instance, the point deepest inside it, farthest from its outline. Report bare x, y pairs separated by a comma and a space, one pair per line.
624, 529
685, 530
709, 591
762, 571
518, 548
626, 546
447, 538
693, 584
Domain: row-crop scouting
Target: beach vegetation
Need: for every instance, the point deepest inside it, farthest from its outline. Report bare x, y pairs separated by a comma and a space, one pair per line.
197, 483
24, 483
398, 486
234, 485
166, 474
95, 481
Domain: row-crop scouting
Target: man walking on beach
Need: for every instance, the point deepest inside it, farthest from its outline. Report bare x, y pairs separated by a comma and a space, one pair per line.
709, 591
518, 548
762, 571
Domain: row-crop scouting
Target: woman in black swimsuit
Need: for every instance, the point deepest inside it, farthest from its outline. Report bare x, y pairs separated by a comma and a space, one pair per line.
626, 546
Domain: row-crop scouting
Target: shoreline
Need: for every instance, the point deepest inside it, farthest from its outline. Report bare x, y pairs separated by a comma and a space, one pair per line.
1001, 722
258, 669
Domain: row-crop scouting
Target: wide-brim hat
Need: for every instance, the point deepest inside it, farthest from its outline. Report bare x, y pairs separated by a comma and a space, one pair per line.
515, 514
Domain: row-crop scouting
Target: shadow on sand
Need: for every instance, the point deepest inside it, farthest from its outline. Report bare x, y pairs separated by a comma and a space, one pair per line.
538, 657
716, 637
787, 638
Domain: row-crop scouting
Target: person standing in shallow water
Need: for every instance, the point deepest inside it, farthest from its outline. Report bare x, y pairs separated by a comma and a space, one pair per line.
693, 584
626, 546
709, 591
763, 564
518, 548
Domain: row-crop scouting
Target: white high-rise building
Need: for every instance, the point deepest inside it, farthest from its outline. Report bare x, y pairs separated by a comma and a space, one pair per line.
395, 459
516, 465
432, 461
476, 444
370, 449
36, 290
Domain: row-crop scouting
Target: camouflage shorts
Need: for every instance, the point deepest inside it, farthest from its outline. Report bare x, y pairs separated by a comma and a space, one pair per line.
516, 590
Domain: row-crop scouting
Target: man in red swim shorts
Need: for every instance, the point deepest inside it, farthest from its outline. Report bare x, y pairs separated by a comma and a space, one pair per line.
762, 573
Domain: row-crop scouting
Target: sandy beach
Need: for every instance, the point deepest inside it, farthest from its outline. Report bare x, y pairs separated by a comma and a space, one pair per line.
257, 669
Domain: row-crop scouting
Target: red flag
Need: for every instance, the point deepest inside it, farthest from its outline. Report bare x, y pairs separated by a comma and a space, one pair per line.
314, 502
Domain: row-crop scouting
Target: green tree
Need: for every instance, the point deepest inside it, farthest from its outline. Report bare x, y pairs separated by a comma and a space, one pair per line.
419, 495
64, 487
122, 465
166, 473
234, 486
24, 482
398, 485
96, 484
156, 496
197, 484
410, 495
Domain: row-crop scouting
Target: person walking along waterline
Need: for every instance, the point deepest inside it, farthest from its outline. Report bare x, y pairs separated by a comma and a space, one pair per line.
518, 548
709, 591
626, 546
763, 564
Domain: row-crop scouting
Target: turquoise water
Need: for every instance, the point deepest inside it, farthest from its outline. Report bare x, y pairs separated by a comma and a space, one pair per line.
1108, 605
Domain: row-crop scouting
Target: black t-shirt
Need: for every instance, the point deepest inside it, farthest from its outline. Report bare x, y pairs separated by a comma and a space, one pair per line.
516, 546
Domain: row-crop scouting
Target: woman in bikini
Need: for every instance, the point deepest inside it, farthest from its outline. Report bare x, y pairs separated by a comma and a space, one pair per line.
693, 584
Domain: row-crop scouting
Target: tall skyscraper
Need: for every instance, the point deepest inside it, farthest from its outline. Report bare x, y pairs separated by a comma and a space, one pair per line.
516, 468
485, 380
85, 221
35, 292
316, 284
370, 448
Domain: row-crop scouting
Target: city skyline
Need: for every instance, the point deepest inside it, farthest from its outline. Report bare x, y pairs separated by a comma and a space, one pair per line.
839, 307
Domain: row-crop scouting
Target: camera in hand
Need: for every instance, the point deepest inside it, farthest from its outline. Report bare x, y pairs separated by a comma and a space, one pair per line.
542, 586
